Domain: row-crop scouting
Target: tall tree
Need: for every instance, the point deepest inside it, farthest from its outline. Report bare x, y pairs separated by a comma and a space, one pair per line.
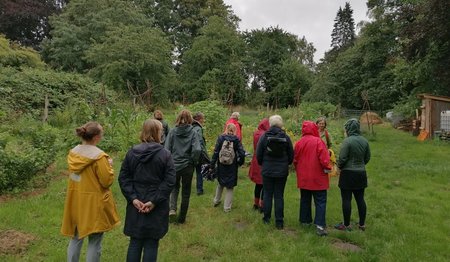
213, 67
26, 21
343, 34
267, 51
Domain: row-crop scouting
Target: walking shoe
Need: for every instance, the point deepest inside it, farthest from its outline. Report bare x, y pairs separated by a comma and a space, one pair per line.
362, 228
172, 213
227, 210
321, 231
342, 227
305, 224
266, 221
216, 204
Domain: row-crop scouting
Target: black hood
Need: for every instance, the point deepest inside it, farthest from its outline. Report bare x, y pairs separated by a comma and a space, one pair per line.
144, 152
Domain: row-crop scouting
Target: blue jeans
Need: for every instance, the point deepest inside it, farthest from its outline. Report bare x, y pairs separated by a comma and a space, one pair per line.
149, 245
320, 201
274, 189
198, 170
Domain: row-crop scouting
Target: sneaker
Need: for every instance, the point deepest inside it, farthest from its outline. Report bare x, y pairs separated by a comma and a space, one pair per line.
227, 210
216, 204
362, 228
266, 221
342, 227
172, 213
321, 231
305, 224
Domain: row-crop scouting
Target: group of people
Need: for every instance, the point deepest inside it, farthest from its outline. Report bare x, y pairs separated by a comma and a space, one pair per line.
310, 156
164, 161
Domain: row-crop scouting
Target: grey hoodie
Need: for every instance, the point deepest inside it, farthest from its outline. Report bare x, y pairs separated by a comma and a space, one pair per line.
184, 144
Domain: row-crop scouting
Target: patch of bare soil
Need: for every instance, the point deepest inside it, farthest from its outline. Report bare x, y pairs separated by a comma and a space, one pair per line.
14, 242
346, 246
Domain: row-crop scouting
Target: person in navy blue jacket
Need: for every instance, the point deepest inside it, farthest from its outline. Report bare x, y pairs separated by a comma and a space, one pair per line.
227, 174
274, 153
146, 179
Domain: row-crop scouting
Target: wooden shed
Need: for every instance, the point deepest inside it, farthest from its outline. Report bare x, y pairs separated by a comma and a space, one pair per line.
431, 109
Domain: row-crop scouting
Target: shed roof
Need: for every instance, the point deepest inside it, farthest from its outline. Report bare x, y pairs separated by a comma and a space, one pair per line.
433, 97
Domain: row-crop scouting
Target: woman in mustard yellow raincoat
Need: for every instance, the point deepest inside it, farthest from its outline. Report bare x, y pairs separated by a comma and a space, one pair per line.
89, 208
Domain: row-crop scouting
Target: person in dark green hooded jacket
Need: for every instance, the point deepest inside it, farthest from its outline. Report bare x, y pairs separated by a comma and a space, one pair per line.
353, 157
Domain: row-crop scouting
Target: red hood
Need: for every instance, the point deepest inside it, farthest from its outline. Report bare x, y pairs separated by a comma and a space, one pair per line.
264, 125
310, 128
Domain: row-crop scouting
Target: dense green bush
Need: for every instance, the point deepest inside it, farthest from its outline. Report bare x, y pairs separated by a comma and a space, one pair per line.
215, 117
24, 90
26, 148
294, 116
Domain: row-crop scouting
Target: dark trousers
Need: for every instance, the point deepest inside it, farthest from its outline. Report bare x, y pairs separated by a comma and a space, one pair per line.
346, 196
149, 245
198, 170
274, 189
184, 179
258, 193
320, 201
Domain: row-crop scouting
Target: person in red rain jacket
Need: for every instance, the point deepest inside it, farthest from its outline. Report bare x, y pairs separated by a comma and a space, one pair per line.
234, 119
312, 162
254, 173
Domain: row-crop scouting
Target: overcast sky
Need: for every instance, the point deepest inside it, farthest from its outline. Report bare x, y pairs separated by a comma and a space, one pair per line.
313, 19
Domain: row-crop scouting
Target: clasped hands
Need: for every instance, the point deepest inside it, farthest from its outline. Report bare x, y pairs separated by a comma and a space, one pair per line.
143, 207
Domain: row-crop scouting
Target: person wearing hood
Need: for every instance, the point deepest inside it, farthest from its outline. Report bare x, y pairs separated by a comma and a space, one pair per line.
254, 172
89, 208
146, 178
274, 154
312, 162
353, 157
185, 145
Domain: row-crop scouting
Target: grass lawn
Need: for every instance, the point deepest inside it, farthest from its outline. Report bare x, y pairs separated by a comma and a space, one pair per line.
408, 216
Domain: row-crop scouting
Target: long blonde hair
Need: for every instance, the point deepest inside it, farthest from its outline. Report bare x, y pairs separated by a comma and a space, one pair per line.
230, 129
151, 131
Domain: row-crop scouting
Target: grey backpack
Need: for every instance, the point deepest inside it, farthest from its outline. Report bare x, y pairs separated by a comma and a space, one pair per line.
226, 153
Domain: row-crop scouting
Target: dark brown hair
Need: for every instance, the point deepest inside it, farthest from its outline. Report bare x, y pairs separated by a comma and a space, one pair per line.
199, 115
151, 131
89, 130
158, 115
184, 118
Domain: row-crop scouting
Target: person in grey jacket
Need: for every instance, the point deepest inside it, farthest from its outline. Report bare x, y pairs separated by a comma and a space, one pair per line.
147, 177
353, 157
184, 144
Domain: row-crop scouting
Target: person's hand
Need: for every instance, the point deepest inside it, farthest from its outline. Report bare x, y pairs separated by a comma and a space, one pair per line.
148, 207
139, 205
110, 161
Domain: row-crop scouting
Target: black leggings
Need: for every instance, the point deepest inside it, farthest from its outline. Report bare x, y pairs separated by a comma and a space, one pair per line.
346, 196
258, 193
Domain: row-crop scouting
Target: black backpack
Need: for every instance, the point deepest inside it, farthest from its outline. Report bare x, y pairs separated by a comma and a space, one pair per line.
276, 146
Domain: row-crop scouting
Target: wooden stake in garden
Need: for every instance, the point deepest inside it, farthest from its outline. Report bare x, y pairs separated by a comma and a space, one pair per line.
366, 106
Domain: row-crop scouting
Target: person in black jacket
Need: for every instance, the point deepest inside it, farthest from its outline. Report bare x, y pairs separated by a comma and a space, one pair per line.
160, 117
197, 126
227, 174
274, 153
184, 144
146, 179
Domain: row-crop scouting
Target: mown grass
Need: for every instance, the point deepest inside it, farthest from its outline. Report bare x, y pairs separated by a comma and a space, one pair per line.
408, 215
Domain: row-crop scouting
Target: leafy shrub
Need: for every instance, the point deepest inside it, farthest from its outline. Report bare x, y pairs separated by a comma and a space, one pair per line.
294, 116
27, 148
215, 117
24, 90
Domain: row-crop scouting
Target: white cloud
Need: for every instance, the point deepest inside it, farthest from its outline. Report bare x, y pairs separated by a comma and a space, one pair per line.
313, 19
